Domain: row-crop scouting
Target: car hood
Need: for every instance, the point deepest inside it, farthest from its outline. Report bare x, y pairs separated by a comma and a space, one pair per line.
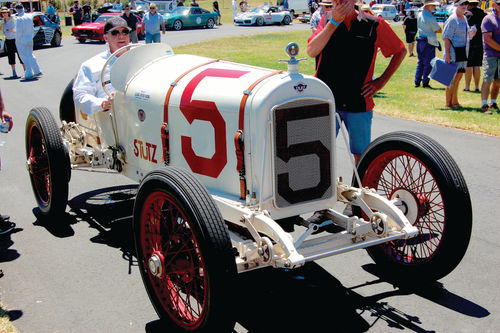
245, 15
93, 25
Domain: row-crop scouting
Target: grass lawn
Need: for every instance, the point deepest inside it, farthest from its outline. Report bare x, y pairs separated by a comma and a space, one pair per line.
399, 97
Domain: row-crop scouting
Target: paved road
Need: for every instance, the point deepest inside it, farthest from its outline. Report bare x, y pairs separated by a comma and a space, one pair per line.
81, 276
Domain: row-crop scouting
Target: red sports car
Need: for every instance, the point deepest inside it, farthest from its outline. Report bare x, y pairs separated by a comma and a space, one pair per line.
95, 30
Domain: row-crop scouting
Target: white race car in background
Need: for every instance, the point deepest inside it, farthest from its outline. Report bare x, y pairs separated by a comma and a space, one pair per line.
263, 15
237, 171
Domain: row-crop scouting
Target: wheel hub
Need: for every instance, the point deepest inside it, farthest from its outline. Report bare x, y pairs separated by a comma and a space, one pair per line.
156, 264
408, 203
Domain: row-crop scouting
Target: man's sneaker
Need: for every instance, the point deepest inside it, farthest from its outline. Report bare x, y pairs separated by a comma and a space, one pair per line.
485, 109
494, 106
38, 74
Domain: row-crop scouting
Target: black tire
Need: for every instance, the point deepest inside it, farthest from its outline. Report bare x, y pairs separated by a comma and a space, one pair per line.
66, 105
56, 39
434, 197
396, 18
286, 20
48, 162
198, 279
177, 25
210, 23
259, 21
81, 40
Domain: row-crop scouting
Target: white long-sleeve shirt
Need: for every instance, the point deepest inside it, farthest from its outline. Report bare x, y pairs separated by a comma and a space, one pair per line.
24, 29
88, 93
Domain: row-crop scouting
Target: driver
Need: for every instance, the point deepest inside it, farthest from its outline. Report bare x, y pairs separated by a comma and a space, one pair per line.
88, 93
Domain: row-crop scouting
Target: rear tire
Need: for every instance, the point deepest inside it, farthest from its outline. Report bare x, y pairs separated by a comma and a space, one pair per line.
434, 197
176, 219
67, 105
210, 23
286, 20
48, 162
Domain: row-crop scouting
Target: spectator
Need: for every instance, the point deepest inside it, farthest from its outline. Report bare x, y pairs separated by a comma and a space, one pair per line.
180, 3
9, 29
216, 9
410, 29
87, 12
491, 44
316, 16
243, 6
51, 11
475, 17
194, 4
88, 94
132, 21
346, 43
456, 44
24, 44
77, 13
152, 22
310, 5
117, 5
5, 225
285, 4
235, 8
426, 42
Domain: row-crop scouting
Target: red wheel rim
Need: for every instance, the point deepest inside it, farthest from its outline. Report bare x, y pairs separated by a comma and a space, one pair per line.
38, 165
400, 174
167, 237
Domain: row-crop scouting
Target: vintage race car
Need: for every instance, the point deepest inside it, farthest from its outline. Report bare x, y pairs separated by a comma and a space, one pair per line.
263, 15
95, 30
236, 166
191, 17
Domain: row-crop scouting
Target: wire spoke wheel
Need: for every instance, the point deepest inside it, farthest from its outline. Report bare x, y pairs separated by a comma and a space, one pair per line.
423, 180
47, 162
184, 252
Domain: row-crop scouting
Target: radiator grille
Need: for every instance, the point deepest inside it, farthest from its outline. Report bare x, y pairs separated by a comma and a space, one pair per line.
302, 149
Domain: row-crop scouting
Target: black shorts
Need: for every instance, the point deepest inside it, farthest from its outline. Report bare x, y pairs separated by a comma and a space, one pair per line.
10, 48
475, 58
410, 37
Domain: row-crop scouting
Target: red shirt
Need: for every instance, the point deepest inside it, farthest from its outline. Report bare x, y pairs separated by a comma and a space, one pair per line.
387, 42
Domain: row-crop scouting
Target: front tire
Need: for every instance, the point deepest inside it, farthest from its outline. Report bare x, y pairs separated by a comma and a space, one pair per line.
48, 162
433, 194
210, 23
177, 25
56, 40
184, 252
259, 21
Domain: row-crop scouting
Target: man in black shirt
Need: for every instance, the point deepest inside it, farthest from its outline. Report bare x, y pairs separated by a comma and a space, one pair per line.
131, 22
77, 13
475, 16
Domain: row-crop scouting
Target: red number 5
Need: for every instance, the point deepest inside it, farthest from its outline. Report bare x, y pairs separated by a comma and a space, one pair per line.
206, 111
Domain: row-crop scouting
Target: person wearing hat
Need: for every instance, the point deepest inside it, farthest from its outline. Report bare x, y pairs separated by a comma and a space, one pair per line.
88, 94
491, 61
345, 45
77, 13
475, 17
9, 29
316, 16
152, 22
426, 42
24, 44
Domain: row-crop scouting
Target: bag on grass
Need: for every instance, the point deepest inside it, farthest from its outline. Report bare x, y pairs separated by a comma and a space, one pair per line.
442, 71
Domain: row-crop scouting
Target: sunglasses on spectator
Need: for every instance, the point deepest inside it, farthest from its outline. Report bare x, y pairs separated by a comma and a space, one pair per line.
117, 32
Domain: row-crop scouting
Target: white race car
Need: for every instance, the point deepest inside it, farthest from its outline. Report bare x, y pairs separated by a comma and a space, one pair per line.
263, 15
231, 159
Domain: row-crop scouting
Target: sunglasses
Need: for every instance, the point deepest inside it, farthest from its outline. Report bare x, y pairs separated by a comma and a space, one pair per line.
117, 32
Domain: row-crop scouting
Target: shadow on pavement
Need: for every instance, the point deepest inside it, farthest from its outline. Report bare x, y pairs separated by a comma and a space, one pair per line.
275, 299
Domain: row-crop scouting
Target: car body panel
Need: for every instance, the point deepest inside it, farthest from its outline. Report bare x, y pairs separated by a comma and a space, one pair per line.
190, 17
264, 14
387, 12
95, 30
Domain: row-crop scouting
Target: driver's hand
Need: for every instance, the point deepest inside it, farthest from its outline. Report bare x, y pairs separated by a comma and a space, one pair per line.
106, 105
